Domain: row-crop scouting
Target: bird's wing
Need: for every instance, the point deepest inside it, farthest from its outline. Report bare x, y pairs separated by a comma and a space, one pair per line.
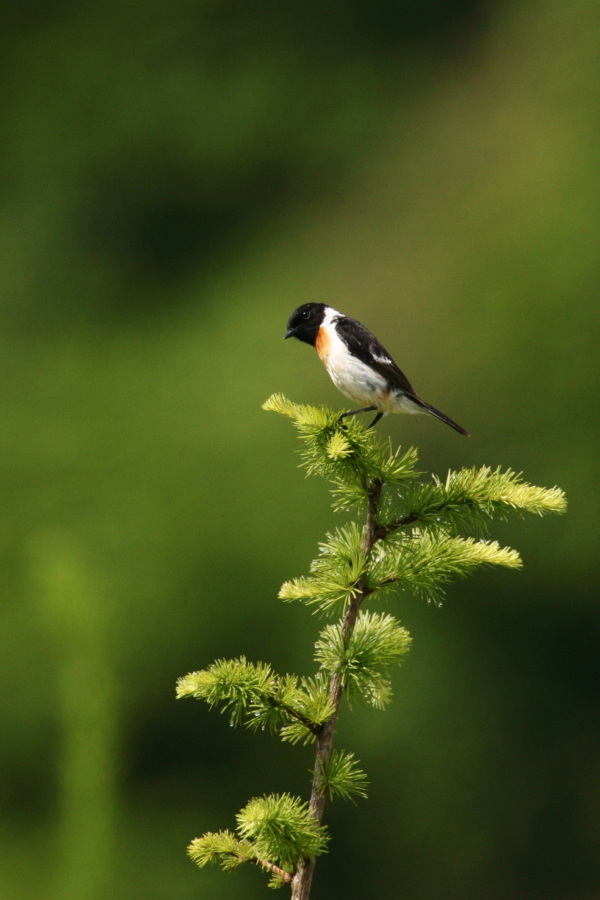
365, 346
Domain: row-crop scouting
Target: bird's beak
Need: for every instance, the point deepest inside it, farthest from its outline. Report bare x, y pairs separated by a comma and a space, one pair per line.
290, 333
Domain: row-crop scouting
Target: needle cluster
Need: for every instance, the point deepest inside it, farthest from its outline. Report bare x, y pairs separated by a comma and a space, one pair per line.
415, 539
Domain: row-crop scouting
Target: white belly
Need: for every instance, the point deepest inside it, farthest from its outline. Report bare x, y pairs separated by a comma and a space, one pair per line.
357, 381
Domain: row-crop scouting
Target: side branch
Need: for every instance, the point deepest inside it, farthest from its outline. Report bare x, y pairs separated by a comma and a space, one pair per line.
294, 714
271, 867
382, 531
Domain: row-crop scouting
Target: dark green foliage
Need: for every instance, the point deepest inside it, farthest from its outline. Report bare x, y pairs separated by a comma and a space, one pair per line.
409, 541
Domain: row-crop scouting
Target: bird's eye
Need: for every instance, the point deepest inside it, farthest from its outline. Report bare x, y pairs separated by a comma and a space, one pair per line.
305, 314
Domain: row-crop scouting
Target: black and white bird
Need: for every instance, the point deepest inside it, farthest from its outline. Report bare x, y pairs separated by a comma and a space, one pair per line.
359, 366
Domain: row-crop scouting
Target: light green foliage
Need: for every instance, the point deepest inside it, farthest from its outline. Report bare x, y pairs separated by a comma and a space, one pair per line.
377, 643
346, 453
312, 702
425, 561
342, 777
409, 541
234, 683
338, 446
277, 829
335, 572
254, 694
281, 829
391, 467
472, 497
220, 847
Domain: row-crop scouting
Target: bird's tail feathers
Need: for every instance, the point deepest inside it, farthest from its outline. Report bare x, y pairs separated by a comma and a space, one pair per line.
440, 415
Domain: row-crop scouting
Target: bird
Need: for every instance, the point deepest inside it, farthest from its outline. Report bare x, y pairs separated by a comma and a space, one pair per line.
359, 366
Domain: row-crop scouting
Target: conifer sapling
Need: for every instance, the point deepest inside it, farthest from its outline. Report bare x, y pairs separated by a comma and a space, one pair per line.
413, 538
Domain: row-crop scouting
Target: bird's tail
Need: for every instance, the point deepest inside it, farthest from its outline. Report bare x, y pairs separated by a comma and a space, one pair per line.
440, 415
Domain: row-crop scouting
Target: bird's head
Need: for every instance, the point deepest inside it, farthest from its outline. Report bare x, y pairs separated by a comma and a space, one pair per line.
304, 322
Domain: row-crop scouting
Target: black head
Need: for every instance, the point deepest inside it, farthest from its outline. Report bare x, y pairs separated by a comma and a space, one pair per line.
304, 322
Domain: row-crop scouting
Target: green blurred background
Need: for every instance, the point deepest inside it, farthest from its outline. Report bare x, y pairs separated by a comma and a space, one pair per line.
176, 178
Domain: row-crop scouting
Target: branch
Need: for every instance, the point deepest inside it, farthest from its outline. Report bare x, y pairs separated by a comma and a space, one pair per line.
303, 878
382, 531
367, 591
314, 729
271, 867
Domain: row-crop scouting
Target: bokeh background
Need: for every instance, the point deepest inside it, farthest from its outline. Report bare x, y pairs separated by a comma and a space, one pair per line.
176, 178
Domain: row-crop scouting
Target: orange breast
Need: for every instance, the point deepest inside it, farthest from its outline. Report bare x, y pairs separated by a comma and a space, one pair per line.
323, 344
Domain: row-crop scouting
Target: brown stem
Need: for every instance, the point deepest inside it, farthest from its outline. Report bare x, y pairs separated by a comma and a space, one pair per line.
382, 531
302, 880
410, 518
271, 867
